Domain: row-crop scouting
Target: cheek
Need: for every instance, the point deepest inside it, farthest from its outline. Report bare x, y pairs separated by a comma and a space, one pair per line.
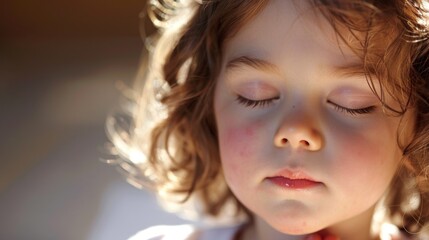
238, 141
235, 144
239, 146
365, 157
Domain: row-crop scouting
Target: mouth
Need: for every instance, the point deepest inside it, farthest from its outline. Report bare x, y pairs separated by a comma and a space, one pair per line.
294, 180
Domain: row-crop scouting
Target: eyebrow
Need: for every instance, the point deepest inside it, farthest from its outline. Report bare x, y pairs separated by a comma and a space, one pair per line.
352, 69
256, 63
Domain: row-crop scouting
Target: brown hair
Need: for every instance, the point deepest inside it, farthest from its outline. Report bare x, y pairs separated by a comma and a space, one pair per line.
189, 104
183, 155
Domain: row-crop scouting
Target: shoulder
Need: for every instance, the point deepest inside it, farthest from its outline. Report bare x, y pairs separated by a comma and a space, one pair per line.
392, 232
165, 232
186, 232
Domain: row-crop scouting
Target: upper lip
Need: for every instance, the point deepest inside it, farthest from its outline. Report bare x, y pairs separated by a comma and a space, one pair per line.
294, 175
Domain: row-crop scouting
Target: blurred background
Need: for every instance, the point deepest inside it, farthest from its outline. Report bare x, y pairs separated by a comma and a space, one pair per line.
59, 64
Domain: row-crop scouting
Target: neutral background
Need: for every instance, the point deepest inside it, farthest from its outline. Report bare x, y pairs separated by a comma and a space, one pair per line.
59, 63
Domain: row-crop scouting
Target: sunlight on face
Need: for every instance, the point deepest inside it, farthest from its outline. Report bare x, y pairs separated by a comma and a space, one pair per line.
303, 145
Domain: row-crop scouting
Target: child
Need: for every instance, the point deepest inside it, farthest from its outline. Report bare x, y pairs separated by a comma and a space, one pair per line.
310, 117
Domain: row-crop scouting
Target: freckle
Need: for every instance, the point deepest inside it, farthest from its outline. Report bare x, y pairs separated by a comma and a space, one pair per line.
234, 167
249, 132
242, 154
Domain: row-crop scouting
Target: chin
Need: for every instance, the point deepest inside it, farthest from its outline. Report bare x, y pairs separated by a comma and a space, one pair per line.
295, 227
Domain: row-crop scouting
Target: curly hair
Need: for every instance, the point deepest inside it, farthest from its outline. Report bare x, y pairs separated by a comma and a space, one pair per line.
181, 150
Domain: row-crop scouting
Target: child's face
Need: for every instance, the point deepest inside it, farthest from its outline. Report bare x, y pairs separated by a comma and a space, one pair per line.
303, 144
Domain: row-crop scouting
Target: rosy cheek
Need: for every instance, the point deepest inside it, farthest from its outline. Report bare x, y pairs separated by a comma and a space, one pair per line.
361, 156
351, 158
238, 146
238, 141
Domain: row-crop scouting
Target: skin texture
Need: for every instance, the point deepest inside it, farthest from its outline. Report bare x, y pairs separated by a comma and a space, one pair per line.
301, 128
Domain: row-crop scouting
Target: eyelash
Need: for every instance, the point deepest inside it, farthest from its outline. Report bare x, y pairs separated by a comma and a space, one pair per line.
351, 111
255, 103
265, 102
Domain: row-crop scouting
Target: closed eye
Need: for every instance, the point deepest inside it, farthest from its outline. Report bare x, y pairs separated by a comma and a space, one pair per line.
352, 111
255, 103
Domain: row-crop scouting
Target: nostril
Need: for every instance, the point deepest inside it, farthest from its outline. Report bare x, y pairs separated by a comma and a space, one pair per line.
302, 139
305, 143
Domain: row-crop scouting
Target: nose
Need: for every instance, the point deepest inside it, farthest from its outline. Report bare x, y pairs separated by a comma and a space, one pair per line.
298, 135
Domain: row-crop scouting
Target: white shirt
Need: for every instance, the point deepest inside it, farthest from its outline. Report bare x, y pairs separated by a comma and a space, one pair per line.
186, 232
193, 232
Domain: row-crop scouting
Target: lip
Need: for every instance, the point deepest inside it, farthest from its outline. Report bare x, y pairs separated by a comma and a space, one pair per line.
289, 179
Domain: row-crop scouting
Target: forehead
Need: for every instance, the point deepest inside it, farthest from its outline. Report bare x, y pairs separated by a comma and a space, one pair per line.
292, 28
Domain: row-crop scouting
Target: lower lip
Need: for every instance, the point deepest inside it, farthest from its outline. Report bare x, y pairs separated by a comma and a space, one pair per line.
293, 183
